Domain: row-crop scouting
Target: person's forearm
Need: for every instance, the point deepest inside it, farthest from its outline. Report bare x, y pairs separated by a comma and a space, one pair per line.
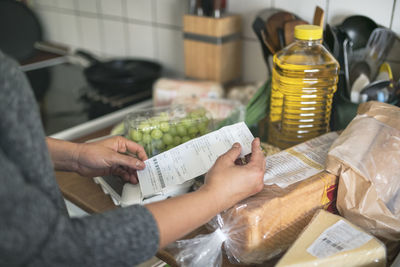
178, 216
62, 154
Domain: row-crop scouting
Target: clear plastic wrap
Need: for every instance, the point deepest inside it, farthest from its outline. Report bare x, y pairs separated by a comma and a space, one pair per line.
260, 227
162, 128
366, 157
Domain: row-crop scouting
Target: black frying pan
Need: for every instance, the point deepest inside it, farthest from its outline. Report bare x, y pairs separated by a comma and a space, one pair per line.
120, 75
19, 30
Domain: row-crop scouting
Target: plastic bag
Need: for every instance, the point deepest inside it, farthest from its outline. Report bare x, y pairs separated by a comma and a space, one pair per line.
260, 227
366, 157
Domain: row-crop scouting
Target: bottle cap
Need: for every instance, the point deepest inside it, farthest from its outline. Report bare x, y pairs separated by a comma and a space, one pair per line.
308, 32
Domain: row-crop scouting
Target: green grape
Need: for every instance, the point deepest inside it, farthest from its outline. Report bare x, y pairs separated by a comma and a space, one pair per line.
158, 144
145, 127
156, 134
169, 147
203, 128
163, 116
135, 135
146, 138
200, 112
203, 131
149, 150
187, 122
181, 129
192, 135
167, 139
185, 139
177, 140
164, 126
172, 130
193, 130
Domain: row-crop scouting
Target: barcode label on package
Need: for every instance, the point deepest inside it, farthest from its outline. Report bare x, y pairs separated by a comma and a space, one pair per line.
299, 162
338, 238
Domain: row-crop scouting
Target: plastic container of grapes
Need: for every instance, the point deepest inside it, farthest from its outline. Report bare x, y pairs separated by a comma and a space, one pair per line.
159, 129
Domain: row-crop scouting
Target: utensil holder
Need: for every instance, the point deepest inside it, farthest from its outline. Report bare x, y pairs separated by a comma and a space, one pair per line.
212, 47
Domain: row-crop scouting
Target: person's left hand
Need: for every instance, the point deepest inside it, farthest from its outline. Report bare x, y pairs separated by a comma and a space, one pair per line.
110, 157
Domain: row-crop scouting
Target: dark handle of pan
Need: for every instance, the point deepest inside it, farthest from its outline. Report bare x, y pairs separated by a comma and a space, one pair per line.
258, 26
281, 37
88, 56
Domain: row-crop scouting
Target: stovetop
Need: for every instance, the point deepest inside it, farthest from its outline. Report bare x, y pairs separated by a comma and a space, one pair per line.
66, 99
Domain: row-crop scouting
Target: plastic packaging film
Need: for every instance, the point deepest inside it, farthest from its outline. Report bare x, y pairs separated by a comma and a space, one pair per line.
366, 157
260, 227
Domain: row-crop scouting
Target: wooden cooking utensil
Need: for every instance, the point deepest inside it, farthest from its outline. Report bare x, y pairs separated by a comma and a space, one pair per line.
274, 23
267, 42
288, 29
319, 16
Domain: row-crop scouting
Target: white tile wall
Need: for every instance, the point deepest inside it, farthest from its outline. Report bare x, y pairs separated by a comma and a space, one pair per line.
88, 6
90, 34
304, 9
253, 67
153, 28
114, 38
141, 41
170, 50
379, 11
170, 11
111, 7
52, 3
50, 24
68, 26
67, 4
248, 12
140, 10
396, 18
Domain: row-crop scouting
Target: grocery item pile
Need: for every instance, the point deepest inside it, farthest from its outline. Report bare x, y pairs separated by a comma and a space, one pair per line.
291, 222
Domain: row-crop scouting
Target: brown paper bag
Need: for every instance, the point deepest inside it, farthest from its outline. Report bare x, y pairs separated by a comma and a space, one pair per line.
366, 157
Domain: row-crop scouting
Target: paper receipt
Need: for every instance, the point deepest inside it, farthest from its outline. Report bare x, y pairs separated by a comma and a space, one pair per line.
191, 159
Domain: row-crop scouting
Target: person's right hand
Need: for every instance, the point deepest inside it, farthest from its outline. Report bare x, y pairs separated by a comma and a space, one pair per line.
229, 183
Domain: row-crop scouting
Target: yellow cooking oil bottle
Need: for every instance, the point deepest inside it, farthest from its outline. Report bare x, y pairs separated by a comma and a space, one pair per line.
304, 79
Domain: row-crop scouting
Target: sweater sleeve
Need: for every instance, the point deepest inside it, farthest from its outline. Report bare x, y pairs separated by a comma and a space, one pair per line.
34, 233
34, 229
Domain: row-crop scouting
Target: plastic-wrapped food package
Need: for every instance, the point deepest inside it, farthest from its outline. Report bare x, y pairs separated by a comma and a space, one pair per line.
260, 227
331, 240
366, 157
169, 91
162, 128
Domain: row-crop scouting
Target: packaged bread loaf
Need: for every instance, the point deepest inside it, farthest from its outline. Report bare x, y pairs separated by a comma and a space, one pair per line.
366, 157
265, 225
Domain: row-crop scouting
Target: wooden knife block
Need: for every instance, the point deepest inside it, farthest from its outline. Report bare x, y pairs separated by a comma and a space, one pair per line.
212, 47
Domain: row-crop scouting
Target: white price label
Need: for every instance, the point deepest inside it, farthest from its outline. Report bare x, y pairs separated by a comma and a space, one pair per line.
338, 238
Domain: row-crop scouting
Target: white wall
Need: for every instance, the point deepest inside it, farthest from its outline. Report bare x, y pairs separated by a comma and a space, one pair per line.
153, 28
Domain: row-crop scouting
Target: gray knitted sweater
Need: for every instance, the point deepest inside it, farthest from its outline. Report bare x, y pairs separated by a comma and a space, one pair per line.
35, 229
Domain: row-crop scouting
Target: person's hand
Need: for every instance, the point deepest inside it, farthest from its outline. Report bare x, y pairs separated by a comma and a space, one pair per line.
110, 157
229, 183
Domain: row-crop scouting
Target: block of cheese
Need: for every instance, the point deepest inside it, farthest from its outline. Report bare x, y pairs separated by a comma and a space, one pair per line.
265, 225
330, 240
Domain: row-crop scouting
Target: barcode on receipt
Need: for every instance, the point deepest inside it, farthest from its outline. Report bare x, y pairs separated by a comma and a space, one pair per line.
159, 174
